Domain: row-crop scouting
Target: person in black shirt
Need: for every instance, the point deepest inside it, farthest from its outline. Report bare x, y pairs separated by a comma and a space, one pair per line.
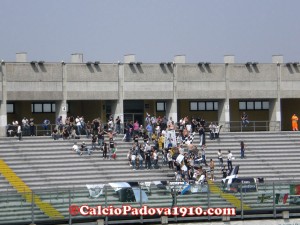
148, 159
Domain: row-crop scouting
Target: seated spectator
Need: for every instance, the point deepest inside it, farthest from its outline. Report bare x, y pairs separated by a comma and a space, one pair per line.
75, 148
85, 149
65, 134
55, 134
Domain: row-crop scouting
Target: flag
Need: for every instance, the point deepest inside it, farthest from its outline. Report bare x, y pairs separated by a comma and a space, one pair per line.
295, 189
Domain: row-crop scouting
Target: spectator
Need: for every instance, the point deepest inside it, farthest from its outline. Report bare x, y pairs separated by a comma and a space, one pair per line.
55, 134
118, 125
203, 156
149, 129
202, 136
242, 150
75, 148
94, 139
133, 158
129, 157
46, 124
100, 137
212, 168
111, 146
85, 149
229, 160
220, 158
170, 160
19, 132
31, 124
244, 119
105, 150
65, 134
148, 157
88, 129
212, 130
295, 122
136, 128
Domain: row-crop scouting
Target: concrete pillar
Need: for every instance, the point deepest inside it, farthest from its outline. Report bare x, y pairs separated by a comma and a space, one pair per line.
21, 57
61, 108
117, 106
223, 114
228, 59
77, 58
179, 59
274, 114
3, 110
129, 58
171, 109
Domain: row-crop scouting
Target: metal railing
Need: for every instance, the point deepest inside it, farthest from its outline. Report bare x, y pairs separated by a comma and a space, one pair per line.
252, 126
269, 201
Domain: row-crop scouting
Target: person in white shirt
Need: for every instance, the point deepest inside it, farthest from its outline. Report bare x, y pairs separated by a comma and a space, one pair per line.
76, 149
229, 160
220, 158
170, 160
19, 132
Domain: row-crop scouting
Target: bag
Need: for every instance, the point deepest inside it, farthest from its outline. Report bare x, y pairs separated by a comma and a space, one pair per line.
114, 156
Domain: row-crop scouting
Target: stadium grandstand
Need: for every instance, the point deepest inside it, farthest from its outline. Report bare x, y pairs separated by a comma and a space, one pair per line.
75, 139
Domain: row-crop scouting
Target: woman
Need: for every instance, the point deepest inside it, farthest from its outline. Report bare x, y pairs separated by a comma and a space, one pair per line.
105, 149
242, 150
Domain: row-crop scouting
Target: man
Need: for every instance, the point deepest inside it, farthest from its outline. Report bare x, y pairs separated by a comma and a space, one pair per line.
295, 122
46, 123
212, 168
75, 148
118, 125
229, 160
19, 132
245, 120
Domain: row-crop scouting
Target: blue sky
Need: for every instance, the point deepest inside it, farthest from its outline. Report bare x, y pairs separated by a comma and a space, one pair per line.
153, 30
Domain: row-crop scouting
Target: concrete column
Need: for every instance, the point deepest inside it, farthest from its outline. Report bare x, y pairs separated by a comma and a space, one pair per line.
275, 104
224, 106
61, 106
223, 114
117, 106
171, 105
3, 110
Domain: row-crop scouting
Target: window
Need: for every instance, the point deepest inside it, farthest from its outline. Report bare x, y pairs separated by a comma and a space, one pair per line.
160, 106
43, 107
193, 106
10, 108
204, 106
253, 105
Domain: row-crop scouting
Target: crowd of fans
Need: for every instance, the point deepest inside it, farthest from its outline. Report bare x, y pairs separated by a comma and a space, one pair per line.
149, 150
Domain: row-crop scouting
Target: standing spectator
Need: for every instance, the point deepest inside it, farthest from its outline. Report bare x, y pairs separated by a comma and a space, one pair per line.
88, 129
111, 146
212, 130
100, 137
170, 160
31, 126
203, 156
212, 168
19, 132
94, 139
136, 127
148, 157
149, 129
202, 136
46, 124
229, 160
118, 125
220, 158
295, 122
242, 150
244, 119
133, 158
105, 150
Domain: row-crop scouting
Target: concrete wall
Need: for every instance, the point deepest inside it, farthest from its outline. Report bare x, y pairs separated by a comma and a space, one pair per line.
251, 81
148, 81
199, 82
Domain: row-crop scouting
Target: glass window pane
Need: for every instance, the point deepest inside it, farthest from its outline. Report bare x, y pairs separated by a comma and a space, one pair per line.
242, 105
160, 106
201, 106
209, 105
250, 105
257, 105
265, 105
53, 107
193, 106
216, 105
47, 107
38, 107
10, 108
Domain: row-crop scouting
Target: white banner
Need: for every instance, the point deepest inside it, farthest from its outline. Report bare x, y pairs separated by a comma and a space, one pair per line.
95, 190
